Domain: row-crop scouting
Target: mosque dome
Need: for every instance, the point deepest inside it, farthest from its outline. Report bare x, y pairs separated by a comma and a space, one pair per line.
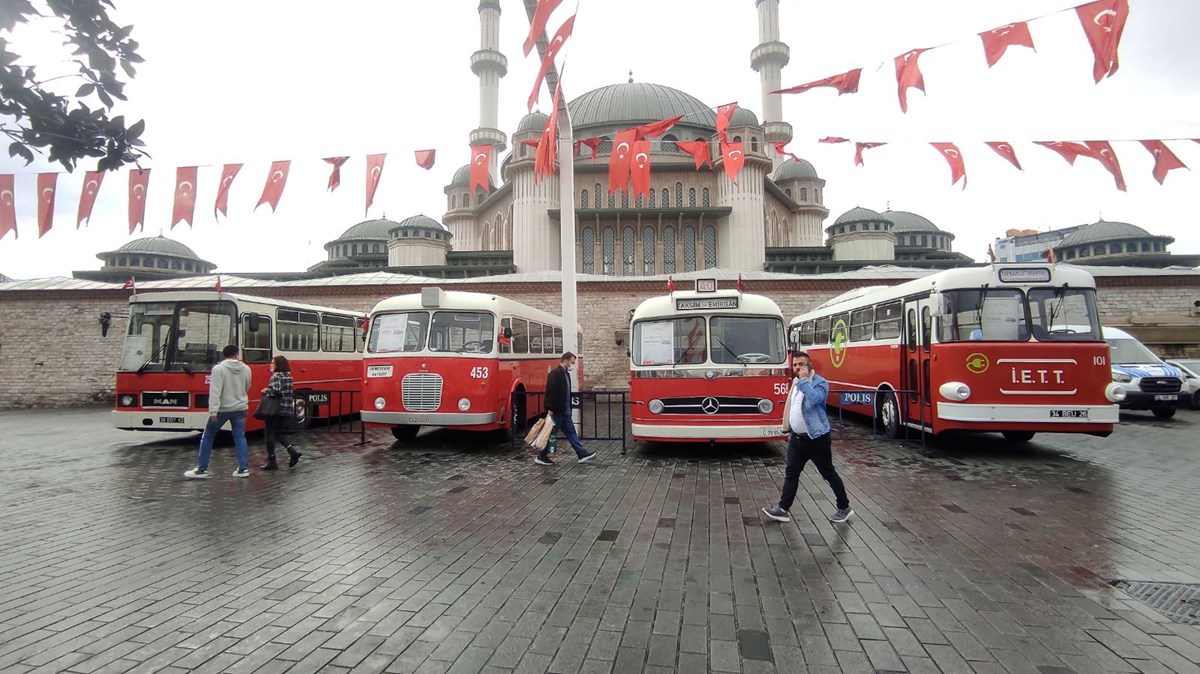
418, 221
534, 121
620, 104
858, 214
1105, 231
376, 230
462, 177
904, 222
793, 169
152, 257
158, 245
743, 117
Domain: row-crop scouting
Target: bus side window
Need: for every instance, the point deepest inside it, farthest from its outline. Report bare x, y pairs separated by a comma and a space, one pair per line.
535, 337
807, 333
256, 346
911, 331
887, 321
861, 324
822, 332
558, 344
520, 338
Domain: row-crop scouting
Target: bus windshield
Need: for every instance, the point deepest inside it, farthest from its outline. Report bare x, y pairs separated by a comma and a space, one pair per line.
669, 341
994, 315
1064, 314
757, 339
177, 336
462, 332
398, 333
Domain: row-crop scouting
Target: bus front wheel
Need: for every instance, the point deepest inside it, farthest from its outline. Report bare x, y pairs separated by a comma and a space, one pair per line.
889, 415
405, 433
516, 417
1018, 436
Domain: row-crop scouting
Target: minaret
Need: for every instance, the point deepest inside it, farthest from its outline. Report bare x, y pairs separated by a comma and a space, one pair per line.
490, 65
768, 59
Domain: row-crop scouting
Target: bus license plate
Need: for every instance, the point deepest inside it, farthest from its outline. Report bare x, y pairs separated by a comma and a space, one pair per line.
170, 420
1171, 396
1068, 414
773, 432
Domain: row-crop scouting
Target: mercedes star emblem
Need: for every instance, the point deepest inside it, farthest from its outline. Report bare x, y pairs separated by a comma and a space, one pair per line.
710, 405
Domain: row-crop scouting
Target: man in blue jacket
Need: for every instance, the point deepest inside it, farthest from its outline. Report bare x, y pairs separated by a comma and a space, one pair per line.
808, 439
558, 404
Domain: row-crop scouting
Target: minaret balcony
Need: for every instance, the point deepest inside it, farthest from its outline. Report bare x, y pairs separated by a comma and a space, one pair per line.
489, 60
770, 52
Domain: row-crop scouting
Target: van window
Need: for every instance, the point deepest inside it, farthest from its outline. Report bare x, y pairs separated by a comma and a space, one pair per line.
1127, 351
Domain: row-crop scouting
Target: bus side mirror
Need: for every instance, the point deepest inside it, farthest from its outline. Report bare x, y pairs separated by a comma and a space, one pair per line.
252, 322
937, 308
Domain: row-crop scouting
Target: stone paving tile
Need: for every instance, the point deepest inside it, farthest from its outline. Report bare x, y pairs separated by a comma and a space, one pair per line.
454, 555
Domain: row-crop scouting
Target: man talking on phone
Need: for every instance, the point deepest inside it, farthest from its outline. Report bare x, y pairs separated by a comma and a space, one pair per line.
808, 440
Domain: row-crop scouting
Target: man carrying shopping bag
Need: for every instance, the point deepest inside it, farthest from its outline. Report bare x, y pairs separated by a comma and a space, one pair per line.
558, 404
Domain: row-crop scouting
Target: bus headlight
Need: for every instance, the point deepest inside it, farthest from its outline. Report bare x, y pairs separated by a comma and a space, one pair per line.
1115, 392
765, 406
380, 403
655, 406
955, 390
463, 404
125, 400
1121, 377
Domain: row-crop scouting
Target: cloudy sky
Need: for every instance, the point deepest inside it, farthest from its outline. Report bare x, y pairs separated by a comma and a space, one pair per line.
227, 81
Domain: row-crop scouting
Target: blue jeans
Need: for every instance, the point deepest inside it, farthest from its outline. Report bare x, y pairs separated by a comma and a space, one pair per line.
237, 423
563, 422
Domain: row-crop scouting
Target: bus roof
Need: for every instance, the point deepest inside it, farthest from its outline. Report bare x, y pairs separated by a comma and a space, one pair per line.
459, 300
950, 279
212, 296
664, 305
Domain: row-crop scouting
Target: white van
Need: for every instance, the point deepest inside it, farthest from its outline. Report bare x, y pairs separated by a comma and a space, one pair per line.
1149, 383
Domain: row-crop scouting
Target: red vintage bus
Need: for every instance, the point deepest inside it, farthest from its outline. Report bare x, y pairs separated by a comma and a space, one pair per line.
708, 365
458, 360
175, 338
1013, 348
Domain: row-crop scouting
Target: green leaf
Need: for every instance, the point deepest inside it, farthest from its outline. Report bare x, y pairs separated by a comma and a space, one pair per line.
135, 131
85, 90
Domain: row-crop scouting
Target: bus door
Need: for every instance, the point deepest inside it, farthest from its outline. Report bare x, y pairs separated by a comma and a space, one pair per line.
915, 378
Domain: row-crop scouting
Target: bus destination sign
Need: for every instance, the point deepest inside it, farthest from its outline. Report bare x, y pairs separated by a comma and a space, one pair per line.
703, 303
1027, 275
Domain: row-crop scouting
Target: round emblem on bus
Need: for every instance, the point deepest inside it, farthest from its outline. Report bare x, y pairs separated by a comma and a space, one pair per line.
710, 405
839, 339
977, 363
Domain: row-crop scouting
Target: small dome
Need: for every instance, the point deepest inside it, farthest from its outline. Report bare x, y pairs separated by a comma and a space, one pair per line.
534, 121
1105, 231
743, 117
639, 102
903, 221
158, 244
462, 177
419, 221
793, 168
369, 229
858, 214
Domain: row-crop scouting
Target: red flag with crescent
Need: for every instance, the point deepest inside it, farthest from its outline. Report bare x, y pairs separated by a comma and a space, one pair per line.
276, 181
217, 285
908, 75
953, 157
47, 185
139, 181
735, 157
425, 158
556, 43
1103, 22
537, 24
228, 173
781, 149
8, 206
858, 150
698, 149
335, 176
833, 139
741, 285
1005, 150
655, 128
185, 195
997, 40
1164, 160
1066, 149
480, 161
991, 254
374, 173
87, 198
1049, 255
130, 285
543, 163
619, 161
845, 83
1102, 151
724, 114
640, 168
670, 284
593, 144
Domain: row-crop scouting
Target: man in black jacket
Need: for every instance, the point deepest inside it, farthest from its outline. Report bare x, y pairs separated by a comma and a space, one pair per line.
558, 404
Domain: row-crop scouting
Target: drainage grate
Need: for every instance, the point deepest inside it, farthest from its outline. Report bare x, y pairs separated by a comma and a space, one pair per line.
1179, 602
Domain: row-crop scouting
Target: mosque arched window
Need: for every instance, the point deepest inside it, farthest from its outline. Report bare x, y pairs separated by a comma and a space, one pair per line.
653, 194
1114, 248
187, 266
668, 250
1145, 247
612, 200
1098, 250
638, 201
624, 199
803, 194
466, 201
817, 195
678, 195
689, 248
704, 198
596, 192
453, 201
1158, 246
668, 143
924, 241
375, 248
583, 199
1070, 255
754, 143
162, 263
1130, 247
628, 247
175, 264
666, 199
524, 147
354, 249
589, 251
648, 251
608, 245
737, 139
710, 247
123, 262
692, 197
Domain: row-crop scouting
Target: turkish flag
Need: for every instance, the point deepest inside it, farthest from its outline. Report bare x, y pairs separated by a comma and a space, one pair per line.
8, 206
698, 149
670, 284
641, 168
724, 114
335, 177
46, 188
908, 75
227, 175
735, 156
618, 162
1103, 22
858, 150
991, 254
592, 143
1102, 151
185, 195
1164, 159
87, 198
139, 180
846, 83
217, 285
780, 150
953, 157
556, 43
130, 285
543, 164
997, 40
276, 181
833, 139
1066, 149
480, 158
530, 143
1049, 255
1006, 150
374, 172
537, 24
655, 128
425, 158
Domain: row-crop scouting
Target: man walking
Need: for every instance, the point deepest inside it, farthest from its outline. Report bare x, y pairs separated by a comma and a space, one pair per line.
558, 404
228, 400
808, 439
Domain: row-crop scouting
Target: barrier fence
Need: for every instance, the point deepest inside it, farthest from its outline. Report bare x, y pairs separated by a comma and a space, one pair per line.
330, 411
603, 414
866, 402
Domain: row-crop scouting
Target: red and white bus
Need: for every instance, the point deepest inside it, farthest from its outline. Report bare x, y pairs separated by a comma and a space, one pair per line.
459, 360
175, 338
1013, 348
708, 365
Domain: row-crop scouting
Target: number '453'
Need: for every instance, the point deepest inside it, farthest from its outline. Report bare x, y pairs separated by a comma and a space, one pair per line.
479, 372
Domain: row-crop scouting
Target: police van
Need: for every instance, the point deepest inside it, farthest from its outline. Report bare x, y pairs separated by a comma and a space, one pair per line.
1149, 383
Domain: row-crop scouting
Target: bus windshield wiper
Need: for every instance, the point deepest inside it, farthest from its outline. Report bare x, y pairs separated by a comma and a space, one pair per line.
160, 351
729, 350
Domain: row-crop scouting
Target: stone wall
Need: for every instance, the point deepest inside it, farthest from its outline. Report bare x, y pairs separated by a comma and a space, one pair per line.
52, 352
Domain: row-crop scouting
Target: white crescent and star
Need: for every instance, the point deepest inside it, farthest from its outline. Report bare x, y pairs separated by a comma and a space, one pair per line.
226, 182
951, 152
138, 190
276, 176
641, 158
622, 149
91, 186
1004, 147
480, 158
7, 197
375, 173
1106, 25
185, 187
735, 154
1003, 30
48, 197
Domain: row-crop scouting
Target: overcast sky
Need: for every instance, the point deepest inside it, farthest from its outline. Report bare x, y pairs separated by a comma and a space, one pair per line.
230, 81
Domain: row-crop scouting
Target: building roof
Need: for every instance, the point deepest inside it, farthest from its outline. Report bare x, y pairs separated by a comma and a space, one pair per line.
534, 121
419, 221
903, 222
859, 214
1106, 231
639, 102
375, 230
795, 168
159, 245
743, 117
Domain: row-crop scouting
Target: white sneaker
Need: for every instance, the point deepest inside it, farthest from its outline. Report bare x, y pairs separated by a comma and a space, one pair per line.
242, 472
195, 474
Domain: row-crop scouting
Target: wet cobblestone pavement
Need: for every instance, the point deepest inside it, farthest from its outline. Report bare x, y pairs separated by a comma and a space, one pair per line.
455, 555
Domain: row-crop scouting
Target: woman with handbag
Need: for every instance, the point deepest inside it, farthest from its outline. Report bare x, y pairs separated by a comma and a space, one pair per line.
279, 392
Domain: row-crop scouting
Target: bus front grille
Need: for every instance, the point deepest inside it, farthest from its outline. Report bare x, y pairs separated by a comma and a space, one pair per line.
706, 405
421, 391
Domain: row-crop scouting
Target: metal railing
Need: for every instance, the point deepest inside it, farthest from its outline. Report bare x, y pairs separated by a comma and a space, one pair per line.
603, 414
341, 413
867, 403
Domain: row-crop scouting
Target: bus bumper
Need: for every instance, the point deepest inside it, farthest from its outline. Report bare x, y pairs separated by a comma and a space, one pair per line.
1041, 414
692, 433
428, 418
159, 420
